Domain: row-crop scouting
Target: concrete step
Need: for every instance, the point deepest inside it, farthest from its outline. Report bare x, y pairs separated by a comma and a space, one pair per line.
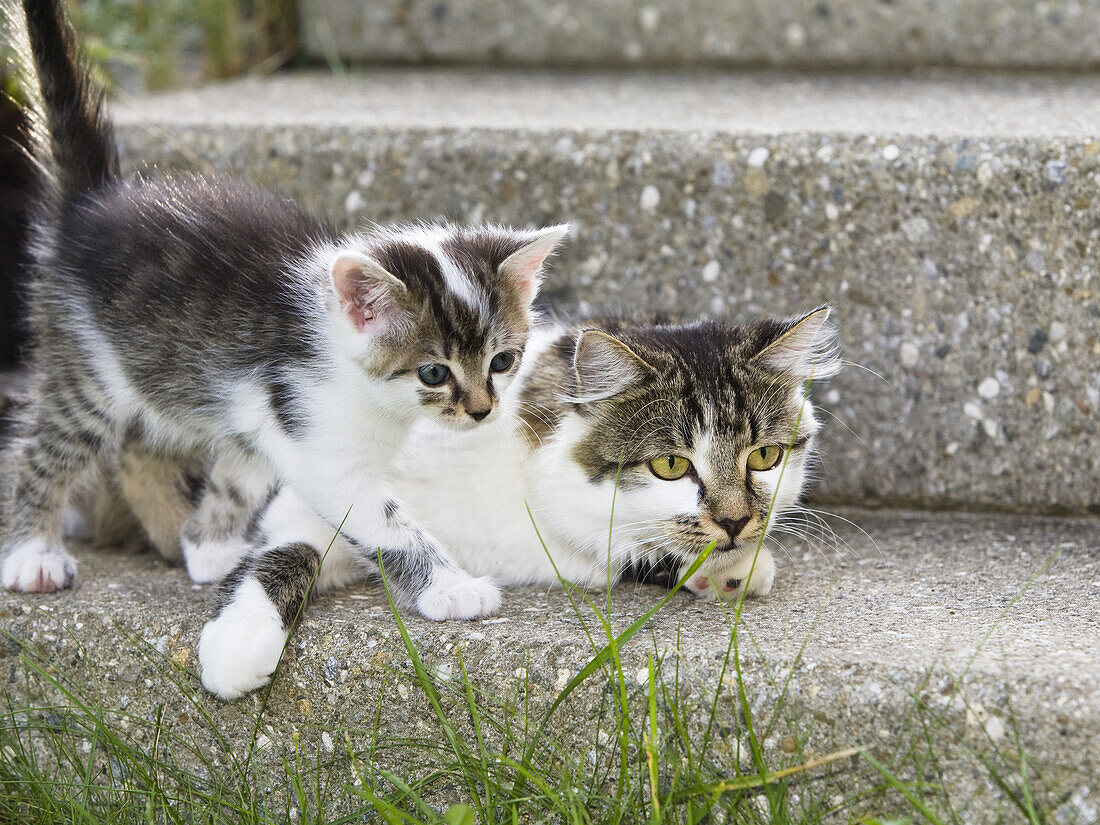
1057, 34
953, 221
942, 635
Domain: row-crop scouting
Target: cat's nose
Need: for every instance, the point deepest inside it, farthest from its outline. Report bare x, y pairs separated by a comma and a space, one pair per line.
733, 527
478, 415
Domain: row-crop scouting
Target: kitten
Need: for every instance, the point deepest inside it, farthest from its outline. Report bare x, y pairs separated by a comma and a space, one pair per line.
698, 434
193, 314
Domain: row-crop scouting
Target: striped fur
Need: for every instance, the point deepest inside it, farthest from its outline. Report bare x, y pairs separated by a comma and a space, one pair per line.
195, 316
596, 403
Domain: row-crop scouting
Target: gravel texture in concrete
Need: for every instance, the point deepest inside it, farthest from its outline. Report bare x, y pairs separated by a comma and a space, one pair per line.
987, 624
800, 33
951, 221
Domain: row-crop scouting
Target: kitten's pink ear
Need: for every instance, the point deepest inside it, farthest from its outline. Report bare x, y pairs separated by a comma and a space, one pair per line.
605, 366
808, 349
368, 293
524, 266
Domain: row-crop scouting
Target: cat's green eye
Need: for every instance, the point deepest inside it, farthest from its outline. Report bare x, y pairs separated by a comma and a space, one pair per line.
669, 467
502, 361
433, 374
764, 458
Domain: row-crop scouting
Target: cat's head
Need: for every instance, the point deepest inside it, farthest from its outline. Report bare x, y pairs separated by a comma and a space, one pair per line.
706, 427
439, 315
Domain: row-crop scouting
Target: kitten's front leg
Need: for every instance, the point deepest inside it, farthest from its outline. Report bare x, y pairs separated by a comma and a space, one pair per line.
418, 569
240, 649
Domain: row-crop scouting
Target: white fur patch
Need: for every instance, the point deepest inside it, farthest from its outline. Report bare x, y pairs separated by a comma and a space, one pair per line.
458, 595
76, 525
37, 565
240, 649
457, 282
211, 561
727, 578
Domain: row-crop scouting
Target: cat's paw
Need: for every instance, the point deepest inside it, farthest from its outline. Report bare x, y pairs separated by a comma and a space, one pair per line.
240, 649
211, 561
37, 565
763, 575
728, 579
458, 595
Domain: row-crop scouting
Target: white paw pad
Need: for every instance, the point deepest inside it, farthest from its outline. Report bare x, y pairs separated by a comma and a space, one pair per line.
728, 579
37, 566
240, 649
458, 595
211, 561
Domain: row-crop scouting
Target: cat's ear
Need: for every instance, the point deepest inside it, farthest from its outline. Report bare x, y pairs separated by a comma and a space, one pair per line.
524, 266
808, 348
605, 366
369, 294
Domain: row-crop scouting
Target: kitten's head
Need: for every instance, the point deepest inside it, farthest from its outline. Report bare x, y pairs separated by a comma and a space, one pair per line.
440, 314
707, 427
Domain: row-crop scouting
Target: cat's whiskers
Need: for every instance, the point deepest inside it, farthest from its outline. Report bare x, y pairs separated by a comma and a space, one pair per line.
539, 411
812, 529
516, 435
819, 514
810, 541
832, 416
645, 406
776, 385
636, 434
859, 366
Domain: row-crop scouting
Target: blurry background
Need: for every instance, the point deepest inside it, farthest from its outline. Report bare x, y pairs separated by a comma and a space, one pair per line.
156, 44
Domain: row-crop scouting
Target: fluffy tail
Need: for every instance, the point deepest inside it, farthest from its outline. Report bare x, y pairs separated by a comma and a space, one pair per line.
19, 192
81, 139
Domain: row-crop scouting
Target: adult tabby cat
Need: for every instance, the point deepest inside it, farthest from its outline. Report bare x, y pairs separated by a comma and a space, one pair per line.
193, 314
700, 434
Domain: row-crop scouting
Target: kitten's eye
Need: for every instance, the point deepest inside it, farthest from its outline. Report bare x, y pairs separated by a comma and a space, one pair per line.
433, 374
764, 458
502, 361
669, 467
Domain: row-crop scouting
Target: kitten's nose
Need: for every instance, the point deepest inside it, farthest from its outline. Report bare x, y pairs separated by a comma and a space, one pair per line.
733, 526
478, 415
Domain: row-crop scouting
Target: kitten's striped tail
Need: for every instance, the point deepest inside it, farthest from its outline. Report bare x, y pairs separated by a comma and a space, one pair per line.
68, 119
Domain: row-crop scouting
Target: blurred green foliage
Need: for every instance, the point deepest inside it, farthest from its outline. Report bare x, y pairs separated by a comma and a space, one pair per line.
157, 44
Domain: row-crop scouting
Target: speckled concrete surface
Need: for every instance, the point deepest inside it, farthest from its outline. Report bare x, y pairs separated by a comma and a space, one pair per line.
1006, 605
953, 222
834, 33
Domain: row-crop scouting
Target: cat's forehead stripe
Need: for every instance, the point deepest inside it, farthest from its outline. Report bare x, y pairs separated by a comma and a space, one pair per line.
459, 282
462, 324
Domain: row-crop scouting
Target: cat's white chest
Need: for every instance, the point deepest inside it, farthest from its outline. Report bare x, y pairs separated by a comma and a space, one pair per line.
469, 491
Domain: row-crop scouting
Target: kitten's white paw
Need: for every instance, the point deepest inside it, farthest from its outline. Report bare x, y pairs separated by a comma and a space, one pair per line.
458, 595
37, 565
729, 578
211, 561
240, 649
